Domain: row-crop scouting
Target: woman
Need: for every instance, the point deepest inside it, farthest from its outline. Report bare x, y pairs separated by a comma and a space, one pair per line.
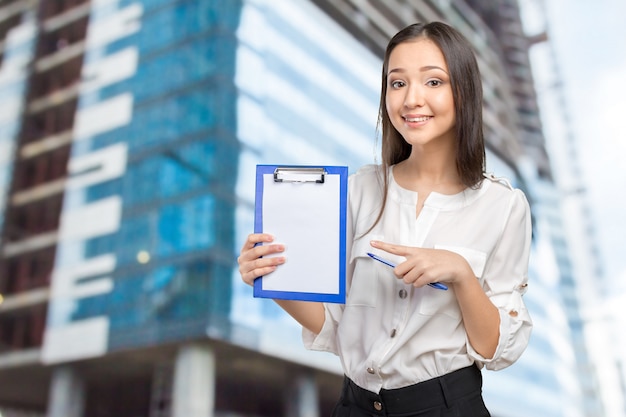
407, 348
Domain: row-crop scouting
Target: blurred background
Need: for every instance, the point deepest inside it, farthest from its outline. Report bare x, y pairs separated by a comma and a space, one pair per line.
129, 135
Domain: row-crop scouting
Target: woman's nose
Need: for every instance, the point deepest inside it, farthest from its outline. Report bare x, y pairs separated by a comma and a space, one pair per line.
414, 97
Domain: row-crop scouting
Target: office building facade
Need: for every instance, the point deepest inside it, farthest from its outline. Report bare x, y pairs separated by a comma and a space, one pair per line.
132, 129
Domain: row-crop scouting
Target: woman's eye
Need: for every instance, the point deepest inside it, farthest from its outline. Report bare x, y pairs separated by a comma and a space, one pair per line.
434, 83
397, 84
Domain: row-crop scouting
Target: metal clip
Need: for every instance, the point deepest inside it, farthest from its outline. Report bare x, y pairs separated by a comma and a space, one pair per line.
304, 174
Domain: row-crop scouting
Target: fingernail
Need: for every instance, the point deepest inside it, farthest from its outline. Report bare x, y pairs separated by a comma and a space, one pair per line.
374, 243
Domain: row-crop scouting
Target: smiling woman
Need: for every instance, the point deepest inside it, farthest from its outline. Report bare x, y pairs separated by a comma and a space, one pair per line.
406, 348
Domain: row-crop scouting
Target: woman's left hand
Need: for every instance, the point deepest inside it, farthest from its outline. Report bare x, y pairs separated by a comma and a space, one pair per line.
425, 266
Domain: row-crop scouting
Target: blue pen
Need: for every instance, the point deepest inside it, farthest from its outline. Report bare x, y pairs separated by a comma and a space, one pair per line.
437, 285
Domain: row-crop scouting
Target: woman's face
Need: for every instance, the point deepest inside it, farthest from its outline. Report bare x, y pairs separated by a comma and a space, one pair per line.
419, 97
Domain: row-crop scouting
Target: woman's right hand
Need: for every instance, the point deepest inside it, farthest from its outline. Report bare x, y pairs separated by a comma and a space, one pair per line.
253, 261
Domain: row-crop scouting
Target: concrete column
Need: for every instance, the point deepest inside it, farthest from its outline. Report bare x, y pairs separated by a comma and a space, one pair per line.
194, 382
302, 397
67, 393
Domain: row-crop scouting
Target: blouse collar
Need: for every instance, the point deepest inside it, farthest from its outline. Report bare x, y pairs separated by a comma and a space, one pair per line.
436, 200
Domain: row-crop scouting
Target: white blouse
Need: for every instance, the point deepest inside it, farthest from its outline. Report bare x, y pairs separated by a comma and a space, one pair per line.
390, 334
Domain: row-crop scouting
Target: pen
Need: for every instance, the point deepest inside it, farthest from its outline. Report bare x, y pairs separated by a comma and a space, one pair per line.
437, 285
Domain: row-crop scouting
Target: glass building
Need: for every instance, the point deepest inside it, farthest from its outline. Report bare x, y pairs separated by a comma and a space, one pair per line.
154, 160
134, 130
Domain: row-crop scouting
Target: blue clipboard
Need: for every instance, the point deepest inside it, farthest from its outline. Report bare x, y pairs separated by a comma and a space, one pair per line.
304, 208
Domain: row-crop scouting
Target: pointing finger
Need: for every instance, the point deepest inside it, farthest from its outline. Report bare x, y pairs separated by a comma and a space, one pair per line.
390, 248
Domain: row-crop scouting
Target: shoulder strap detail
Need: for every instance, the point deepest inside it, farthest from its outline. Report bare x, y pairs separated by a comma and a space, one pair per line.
502, 180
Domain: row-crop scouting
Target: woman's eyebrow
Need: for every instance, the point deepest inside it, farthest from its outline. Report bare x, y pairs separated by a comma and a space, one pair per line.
395, 70
422, 69
432, 67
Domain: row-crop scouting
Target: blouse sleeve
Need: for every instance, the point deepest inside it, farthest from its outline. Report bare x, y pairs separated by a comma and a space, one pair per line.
505, 282
326, 339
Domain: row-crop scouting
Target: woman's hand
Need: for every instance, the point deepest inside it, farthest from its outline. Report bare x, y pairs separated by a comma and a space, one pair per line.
253, 260
425, 266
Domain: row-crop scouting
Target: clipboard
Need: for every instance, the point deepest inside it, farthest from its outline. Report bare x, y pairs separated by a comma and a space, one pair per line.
304, 208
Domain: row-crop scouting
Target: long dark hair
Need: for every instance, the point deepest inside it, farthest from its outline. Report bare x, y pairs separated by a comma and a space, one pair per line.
467, 93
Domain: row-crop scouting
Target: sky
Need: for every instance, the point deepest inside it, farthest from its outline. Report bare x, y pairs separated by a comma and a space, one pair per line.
588, 39
590, 43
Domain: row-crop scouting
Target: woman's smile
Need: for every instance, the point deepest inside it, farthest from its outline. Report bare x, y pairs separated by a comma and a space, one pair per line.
416, 120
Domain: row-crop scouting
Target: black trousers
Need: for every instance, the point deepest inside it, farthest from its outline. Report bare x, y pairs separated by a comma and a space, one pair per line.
457, 394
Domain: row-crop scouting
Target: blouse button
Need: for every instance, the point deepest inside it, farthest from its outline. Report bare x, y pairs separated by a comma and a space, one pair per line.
402, 293
370, 370
378, 405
